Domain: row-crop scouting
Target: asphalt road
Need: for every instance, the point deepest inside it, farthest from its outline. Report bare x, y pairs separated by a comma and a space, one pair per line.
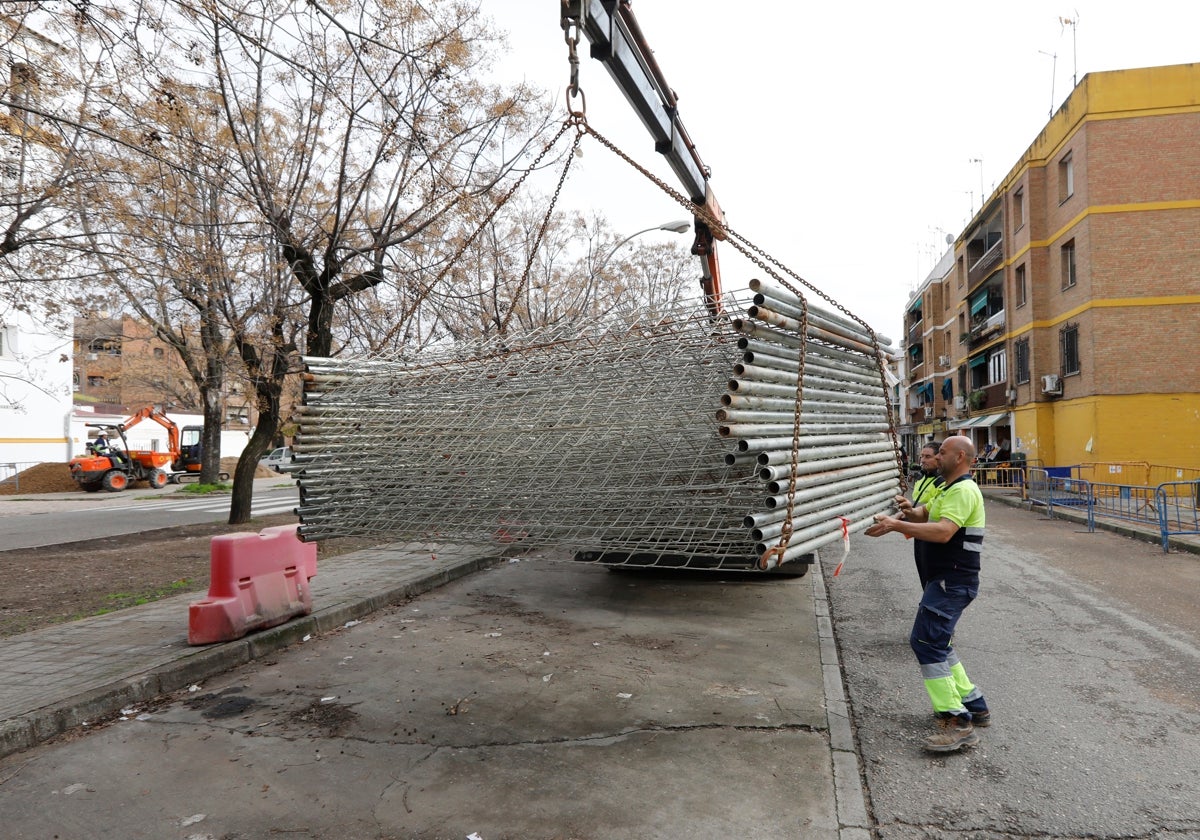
1087, 647
57, 518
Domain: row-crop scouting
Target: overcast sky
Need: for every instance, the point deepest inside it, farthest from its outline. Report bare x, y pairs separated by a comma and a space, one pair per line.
841, 137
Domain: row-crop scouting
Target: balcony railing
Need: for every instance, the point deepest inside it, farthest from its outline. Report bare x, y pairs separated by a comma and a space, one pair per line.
984, 265
991, 325
988, 397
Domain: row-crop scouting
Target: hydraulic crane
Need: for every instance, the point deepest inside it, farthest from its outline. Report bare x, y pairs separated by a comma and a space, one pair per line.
617, 42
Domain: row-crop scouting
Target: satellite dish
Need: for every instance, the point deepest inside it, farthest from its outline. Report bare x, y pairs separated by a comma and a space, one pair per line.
949, 238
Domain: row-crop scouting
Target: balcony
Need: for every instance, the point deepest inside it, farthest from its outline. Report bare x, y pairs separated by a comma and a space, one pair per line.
985, 264
988, 397
921, 414
986, 328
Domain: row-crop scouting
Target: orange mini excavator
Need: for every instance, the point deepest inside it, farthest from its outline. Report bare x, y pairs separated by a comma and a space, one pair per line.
109, 467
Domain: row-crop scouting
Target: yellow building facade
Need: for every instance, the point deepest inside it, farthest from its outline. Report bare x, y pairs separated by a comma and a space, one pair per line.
1070, 311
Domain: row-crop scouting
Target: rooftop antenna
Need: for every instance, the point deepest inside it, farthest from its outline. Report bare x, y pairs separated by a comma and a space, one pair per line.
1053, 73
982, 194
1064, 22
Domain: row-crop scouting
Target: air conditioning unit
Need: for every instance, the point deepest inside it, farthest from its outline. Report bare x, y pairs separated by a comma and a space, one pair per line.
960, 402
1052, 384
91, 357
928, 412
943, 362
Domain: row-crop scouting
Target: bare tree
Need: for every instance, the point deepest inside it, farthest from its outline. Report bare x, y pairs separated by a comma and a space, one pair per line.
242, 171
295, 156
528, 269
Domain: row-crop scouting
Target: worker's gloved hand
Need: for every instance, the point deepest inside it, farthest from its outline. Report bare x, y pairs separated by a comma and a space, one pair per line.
883, 524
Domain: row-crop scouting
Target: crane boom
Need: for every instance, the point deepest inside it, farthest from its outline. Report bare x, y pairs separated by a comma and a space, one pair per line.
618, 43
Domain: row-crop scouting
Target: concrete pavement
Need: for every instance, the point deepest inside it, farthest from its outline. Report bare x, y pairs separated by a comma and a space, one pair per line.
61, 679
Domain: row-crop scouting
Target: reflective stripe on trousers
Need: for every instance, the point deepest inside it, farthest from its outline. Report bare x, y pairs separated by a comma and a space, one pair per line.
946, 680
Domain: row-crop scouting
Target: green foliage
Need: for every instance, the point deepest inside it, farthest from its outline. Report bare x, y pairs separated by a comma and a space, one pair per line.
121, 600
206, 489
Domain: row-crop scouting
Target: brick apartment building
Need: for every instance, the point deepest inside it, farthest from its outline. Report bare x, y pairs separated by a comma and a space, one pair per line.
120, 363
1065, 319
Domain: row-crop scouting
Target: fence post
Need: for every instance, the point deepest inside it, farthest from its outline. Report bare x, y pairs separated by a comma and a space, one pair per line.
1160, 496
1091, 508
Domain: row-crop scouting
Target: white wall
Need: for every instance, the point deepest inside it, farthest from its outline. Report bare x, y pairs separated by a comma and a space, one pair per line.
35, 390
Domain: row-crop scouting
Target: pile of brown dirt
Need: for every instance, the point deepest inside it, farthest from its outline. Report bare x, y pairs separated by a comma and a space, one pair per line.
40, 478
228, 465
56, 478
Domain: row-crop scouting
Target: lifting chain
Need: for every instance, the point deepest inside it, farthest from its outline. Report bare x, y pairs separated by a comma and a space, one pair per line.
765, 261
892, 431
567, 125
572, 28
537, 242
785, 535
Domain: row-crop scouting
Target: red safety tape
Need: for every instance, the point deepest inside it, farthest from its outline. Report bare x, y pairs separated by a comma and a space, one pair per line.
845, 544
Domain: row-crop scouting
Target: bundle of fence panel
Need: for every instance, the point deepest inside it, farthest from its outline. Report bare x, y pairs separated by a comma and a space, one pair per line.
599, 441
826, 454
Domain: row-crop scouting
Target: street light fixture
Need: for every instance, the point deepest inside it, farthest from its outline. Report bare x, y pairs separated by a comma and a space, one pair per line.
679, 226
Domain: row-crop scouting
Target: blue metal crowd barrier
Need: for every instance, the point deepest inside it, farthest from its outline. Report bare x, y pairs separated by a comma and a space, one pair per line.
1129, 502
1178, 509
1172, 507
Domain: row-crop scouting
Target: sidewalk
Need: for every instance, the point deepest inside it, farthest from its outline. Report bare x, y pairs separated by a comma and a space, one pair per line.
1133, 530
60, 677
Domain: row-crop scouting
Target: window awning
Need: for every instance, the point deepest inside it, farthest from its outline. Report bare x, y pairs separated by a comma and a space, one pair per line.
915, 306
979, 304
977, 361
962, 424
990, 420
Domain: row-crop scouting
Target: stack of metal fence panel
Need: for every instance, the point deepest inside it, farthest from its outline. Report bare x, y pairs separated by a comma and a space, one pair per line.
605, 442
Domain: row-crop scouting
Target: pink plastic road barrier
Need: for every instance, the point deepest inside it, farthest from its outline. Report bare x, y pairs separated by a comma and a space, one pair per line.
258, 581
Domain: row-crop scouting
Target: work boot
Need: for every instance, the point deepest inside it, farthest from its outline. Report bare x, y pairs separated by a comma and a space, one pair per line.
953, 734
978, 719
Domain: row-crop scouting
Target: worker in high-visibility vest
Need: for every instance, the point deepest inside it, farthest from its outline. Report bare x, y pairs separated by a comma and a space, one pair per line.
925, 489
952, 527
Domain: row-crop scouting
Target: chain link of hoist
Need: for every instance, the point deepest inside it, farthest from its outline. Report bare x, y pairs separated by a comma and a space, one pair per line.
572, 30
541, 234
893, 432
567, 124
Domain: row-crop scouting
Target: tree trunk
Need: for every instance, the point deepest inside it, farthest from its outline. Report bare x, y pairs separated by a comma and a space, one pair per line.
268, 369
210, 436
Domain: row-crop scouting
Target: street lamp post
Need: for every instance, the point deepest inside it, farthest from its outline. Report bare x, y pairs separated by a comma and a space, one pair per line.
679, 226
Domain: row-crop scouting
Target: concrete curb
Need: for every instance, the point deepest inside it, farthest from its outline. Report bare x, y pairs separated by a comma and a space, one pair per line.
854, 822
193, 665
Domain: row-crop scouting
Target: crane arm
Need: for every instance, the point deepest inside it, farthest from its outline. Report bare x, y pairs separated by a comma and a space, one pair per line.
617, 42
151, 412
